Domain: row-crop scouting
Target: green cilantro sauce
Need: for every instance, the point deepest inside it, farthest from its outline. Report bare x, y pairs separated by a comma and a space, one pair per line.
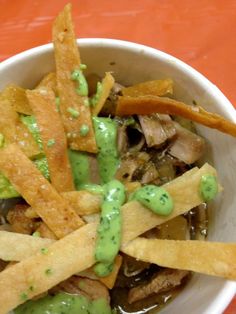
155, 198
2, 140
109, 229
82, 89
63, 303
95, 99
106, 138
31, 124
80, 168
208, 187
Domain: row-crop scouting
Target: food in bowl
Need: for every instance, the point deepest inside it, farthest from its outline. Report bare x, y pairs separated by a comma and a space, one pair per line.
132, 161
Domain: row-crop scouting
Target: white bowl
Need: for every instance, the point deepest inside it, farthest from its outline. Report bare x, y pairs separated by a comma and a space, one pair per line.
133, 63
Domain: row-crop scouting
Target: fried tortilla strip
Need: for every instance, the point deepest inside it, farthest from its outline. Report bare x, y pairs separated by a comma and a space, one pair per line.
49, 81
45, 232
212, 258
83, 202
42, 101
75, 252
24, 245
109, 280
14, 130
145, 105
65, 257
189, 197
106, 86
67, 60
17, 97
38, 192
156, 87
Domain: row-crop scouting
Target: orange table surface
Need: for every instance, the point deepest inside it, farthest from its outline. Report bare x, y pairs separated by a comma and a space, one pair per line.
201, 33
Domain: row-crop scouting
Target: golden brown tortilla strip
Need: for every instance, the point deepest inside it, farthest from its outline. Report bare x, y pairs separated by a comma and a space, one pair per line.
211, 258
42, 101
40, 272
83, 202
109, 280
145, 105
38, 192
107, 84
14, 130
45, 232
75, 252
49, 81
156, 87
189, 197
17, 97
22, 245
67, 60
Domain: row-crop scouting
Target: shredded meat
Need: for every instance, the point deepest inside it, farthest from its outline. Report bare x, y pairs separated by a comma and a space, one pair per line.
149, 174
163, 281
188, 146
122, 140
19, 222
92, 289
157, 128
94, 171
129, 164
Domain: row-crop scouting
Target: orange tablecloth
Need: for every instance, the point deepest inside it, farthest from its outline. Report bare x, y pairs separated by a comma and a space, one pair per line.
201, 33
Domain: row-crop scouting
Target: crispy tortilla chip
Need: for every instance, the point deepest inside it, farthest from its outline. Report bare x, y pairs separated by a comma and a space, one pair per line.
145, 105
108, 281
211, 258
41, 272
38, 192
106, 86
22, 245
83, 202
15, 131
67, 60
49, 81
17, 97
156, 88
75, 252
53, 137
189, 197
45, 232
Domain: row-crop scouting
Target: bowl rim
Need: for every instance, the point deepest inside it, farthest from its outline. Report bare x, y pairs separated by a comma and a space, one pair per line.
228, 290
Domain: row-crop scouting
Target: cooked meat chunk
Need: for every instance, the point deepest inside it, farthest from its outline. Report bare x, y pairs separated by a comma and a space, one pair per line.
122, 140
163, 281
157, 128
129, 164
92, 289
19, 222
188, 146
150, 173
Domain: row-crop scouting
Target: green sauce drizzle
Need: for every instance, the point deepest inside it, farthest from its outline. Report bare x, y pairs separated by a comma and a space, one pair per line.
84, 130
208, 187
78, 76
94, 100
31, 124
80, 168
109, 230
58, 102
73, 112
51, 142
63, 303
106, 138
154, 198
